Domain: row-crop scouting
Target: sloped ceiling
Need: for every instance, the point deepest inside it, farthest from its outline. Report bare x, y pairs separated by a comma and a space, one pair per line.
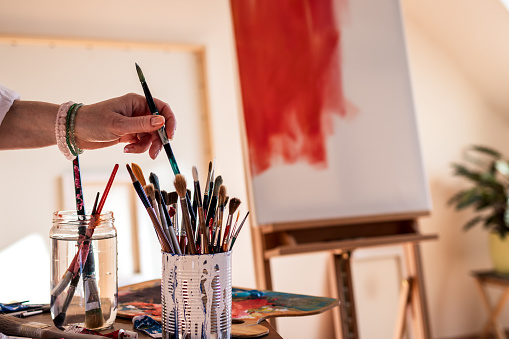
475, 33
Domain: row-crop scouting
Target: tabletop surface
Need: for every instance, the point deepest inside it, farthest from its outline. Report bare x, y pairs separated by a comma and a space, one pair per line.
491, 276
126, 324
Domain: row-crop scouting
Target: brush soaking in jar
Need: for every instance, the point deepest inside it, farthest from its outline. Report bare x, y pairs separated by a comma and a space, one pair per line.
83, 270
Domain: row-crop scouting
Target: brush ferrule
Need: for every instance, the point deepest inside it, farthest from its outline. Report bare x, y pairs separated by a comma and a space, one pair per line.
162, 135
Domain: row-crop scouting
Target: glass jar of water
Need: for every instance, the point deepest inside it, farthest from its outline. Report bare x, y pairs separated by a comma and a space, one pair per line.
84, 278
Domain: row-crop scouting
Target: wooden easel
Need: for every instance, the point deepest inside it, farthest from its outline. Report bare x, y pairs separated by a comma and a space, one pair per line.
340, 238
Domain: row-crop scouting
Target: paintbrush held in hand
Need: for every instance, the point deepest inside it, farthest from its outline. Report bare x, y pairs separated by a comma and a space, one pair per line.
206, 236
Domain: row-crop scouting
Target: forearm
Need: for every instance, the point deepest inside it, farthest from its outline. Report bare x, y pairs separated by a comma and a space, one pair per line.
28, 124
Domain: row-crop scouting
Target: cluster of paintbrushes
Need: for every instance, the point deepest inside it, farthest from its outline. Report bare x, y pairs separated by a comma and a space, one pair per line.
83, 262
203, 234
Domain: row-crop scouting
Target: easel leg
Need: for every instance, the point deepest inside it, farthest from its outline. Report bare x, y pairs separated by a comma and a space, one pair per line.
262, 266
404, 300
420, 319
345, 321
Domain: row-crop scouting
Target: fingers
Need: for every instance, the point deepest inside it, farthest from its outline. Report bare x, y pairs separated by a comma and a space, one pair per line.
155, 148
171, 122
140, 145
123, 125
125, 119
146, 142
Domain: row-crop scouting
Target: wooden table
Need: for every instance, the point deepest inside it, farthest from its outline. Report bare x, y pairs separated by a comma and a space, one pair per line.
126, 324
492, 278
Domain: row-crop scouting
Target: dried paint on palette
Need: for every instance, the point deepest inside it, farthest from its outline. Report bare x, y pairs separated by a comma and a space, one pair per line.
276, 303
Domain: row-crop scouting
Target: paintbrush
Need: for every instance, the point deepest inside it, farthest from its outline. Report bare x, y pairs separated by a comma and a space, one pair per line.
210, 188
213, 201
162, 218
218, 218
165, 245
234, 228
154, 180
167, 225
80, 208
151, 195
206, 188
234, 237
13, 326
138, 173
60, 318
83, 249
93, 312
179, 229
172, 201
232, 207
159, 211
161, 131
201, 213
181, 187
94, 316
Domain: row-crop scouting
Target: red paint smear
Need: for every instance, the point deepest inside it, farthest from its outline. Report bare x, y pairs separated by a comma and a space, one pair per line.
240, 308
288, 53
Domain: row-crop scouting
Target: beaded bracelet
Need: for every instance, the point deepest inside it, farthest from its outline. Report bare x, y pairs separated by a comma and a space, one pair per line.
60, 130
69, 130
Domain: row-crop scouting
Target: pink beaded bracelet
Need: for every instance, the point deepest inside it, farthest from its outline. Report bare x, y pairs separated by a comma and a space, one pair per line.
60, 130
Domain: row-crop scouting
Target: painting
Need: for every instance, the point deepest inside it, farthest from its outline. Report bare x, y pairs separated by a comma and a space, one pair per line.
330, 128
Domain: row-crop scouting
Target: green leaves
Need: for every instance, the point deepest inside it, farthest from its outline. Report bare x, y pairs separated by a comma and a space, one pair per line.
489, 175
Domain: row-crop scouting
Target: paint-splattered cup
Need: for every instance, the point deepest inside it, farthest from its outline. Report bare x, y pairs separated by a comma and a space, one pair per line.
196, 293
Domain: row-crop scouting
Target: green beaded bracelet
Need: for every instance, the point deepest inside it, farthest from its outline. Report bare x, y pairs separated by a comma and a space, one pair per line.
69, 130
76, 149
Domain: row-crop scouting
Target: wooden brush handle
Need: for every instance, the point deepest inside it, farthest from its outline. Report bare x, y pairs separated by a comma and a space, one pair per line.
165, 244
187, 224
13, 326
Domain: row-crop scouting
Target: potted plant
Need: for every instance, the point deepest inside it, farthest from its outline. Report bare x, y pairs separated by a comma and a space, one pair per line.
488, 172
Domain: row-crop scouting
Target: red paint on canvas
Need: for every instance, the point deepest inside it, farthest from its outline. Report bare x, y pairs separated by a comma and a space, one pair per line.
289, 54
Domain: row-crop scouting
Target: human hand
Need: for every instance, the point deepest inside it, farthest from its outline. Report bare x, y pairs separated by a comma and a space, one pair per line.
125, 119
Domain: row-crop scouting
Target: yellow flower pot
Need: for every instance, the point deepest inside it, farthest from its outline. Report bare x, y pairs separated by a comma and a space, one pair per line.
499, 250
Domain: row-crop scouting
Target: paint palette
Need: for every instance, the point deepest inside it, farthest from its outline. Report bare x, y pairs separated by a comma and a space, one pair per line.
249, 307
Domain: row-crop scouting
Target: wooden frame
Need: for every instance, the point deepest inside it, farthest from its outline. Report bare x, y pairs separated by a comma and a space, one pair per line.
193, 54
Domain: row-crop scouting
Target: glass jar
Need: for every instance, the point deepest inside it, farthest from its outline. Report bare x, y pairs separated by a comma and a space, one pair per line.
84, 279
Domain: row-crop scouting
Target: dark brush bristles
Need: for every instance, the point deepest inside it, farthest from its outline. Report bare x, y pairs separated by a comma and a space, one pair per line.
164, 194
173, 198
154, 180
180, 185
222, 195
208, 176
140, 73
225, 201
151, 193
138, 173
133, 177
217, 184
234, 204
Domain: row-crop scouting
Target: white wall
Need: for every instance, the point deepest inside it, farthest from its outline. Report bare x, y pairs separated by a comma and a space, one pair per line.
159, 21
451, 114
